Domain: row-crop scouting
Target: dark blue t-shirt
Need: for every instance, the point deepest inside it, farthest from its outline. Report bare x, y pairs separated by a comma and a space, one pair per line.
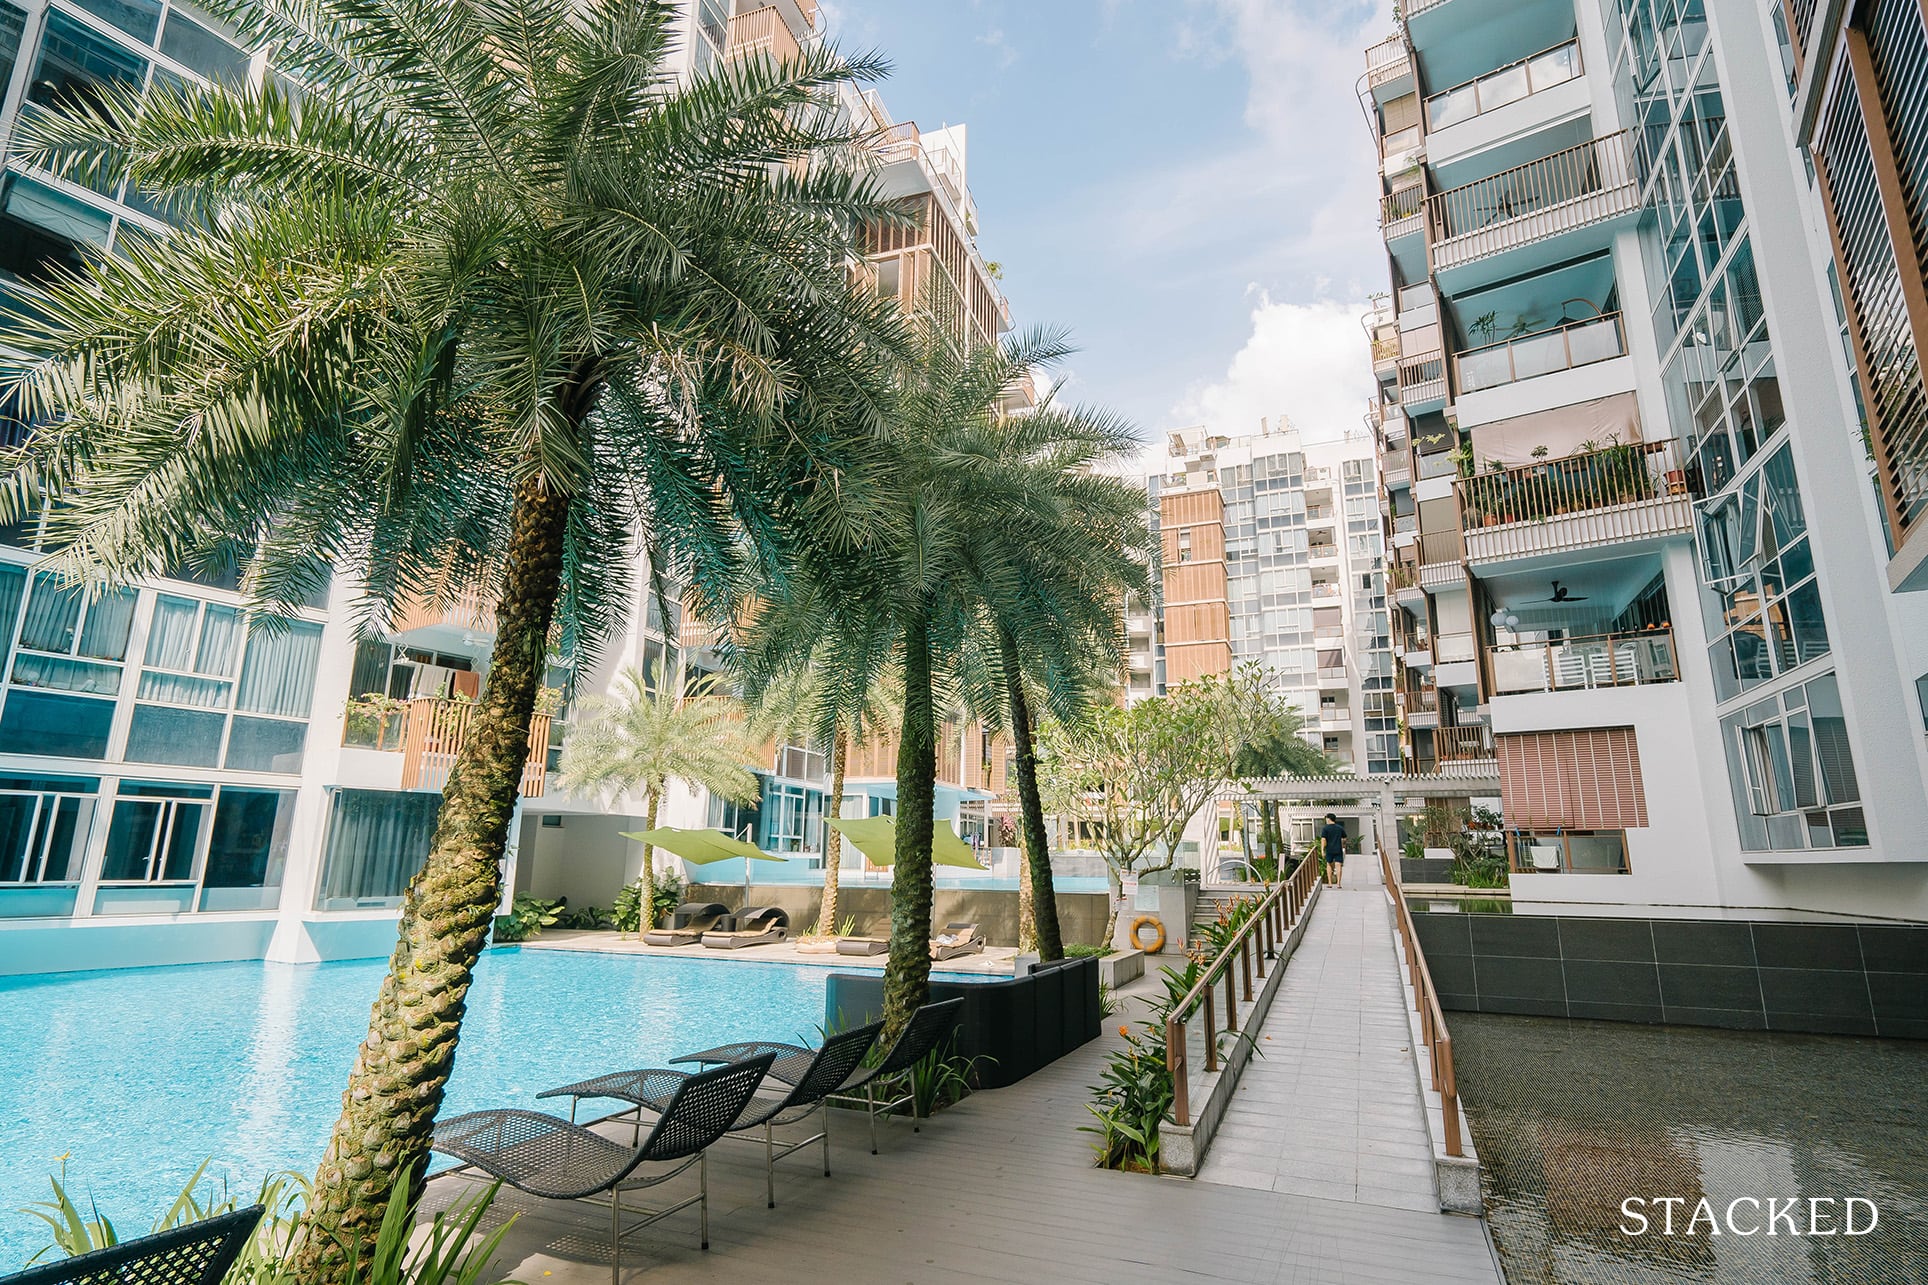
1334, 835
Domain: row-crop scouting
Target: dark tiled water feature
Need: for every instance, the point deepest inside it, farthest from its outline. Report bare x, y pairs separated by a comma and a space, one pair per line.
1574, 1117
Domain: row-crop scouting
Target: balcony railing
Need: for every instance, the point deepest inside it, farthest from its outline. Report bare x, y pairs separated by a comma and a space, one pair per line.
1570, 344
1584, 184
1325, 590
1460, 744
1603, 660
1386, 61
1451, 648
1438, 547
469, 610
1399, 211
1402, 575
1509, 84
1610, 476
1422, 378
432, 734
1405, 524
1421, 700
763, 31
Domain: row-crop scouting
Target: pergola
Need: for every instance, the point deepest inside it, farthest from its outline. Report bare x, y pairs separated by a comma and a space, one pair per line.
1376, 795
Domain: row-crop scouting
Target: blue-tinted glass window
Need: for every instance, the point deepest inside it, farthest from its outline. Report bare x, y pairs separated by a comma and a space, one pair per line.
63, 726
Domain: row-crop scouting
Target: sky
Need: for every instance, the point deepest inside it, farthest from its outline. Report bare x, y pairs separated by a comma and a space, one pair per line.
1185, 185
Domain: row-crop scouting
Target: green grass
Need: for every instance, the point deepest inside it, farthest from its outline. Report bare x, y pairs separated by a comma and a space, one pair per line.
1082, 951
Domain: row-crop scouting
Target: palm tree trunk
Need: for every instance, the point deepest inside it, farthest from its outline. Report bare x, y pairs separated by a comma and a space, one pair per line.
907, 976
402, 1067
832, 841
1037, 844
1027, 919
650, 800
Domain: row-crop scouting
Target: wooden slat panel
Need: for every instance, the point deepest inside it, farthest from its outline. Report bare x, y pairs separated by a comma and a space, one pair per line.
1197, 622
1195, 582
1196, 660
1580, 780
1187, 508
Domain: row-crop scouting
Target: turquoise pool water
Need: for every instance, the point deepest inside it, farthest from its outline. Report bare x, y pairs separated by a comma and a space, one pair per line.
137, 1075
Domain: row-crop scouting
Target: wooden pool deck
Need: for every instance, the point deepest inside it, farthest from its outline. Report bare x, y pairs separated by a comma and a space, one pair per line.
998, 1188
993, 960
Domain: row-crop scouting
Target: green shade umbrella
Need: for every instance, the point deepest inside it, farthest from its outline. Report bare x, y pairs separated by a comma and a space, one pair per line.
876, 838
702, 847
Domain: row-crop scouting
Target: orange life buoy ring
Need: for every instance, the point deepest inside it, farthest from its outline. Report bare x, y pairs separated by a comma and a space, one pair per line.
1157, 933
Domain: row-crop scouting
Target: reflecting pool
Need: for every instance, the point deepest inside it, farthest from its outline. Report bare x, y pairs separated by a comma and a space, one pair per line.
1572, 1118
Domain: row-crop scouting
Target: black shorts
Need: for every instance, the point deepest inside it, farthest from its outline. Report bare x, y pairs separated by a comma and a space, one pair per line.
1336, 858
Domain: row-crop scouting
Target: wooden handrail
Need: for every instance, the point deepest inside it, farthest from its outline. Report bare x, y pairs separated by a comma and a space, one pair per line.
1257, 941
1432, 1022
1611, 475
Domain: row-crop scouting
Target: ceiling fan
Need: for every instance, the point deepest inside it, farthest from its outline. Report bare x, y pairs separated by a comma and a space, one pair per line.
1562, 595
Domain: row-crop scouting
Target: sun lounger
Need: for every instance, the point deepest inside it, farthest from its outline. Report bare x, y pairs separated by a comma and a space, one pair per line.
956, 940
550, 1157
756, 926
920, 1035
688, 922
813, 1076
862, 946
197, 1253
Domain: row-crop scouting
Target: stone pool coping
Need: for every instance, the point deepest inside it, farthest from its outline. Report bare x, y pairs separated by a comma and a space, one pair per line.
996, 961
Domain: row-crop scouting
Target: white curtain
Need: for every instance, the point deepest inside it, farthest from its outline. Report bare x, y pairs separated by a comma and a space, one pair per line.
170, 639
278, 676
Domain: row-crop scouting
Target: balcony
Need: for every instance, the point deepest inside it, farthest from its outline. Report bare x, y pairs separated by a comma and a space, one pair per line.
1536, 204
762, 33
1441, 548
1402, 213
1564, 347
1620, 492
1388, 65
1422, 381
1574, 664
1507, 85
433, 731
1463, 744
1325, 591
467, 615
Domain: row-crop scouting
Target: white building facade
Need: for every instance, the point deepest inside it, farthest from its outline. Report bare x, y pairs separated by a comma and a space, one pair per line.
1636, 533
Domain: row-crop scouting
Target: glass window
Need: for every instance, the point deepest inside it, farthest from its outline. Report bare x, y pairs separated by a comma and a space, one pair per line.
266, 745
152, 840
59, 726
247, 849
1792, 770
187, 738
66, 217
377, 840
43, 835
13, 25
278, 676
138, 18
195, 47
75, 60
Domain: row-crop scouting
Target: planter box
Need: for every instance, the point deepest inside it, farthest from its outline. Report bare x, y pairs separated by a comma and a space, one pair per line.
1119, 969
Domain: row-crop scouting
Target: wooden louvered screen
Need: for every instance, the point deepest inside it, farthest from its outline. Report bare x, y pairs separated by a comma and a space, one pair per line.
1581, 780
1401, 113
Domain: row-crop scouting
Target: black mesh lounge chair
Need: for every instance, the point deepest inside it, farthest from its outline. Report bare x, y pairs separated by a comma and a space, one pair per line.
552, 1158
920, 1035
812, 1078
193, 1254
688, 922
754, 926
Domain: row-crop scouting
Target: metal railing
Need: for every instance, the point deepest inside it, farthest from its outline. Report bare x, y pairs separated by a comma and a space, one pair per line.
1406, 203
1544, 352
1508, 84
1460, 744
1386, 61
1239, 961
1436, 547
1422, 700
432, 734
1538, 199
1432, 1022
1402, 575
1608, 476
1422, 377
763, 31
1572, 664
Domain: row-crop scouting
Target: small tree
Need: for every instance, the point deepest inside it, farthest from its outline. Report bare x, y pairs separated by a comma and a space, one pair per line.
641, 737
1134, 778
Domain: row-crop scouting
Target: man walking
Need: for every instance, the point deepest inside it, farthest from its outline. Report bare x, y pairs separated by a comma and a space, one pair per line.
1333, 835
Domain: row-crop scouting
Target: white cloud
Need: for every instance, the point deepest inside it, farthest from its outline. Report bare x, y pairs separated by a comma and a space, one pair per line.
1307, 361
1002, 50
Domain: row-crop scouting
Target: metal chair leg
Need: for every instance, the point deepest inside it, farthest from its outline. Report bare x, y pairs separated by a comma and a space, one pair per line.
769, 1166
870, 1109
825, 1108
616, 1236
703, 1193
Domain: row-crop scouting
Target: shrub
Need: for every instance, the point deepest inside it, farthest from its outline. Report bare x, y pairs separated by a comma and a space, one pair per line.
1081, 950
527, 917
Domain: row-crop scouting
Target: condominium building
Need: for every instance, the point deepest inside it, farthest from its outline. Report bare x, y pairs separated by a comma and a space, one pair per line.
1272, 555
177, 785
1638, 540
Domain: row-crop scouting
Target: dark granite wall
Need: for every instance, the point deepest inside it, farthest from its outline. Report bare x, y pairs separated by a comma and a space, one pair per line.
1831, 979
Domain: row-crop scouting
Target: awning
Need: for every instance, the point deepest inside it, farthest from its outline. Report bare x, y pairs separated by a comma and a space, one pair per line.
876, 838
700, 847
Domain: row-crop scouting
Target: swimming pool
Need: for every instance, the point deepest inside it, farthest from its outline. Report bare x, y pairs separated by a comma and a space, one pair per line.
137, 1075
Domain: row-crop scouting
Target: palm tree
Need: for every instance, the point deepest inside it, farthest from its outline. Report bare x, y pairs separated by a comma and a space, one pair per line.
491, 302
1051, 593
642, 736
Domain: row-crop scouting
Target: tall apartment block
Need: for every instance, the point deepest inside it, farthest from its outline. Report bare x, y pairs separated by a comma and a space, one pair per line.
178, 786
1640, 537
1272, 555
